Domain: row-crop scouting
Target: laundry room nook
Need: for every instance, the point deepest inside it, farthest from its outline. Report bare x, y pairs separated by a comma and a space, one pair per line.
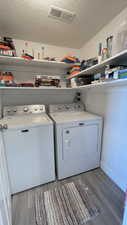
63, 112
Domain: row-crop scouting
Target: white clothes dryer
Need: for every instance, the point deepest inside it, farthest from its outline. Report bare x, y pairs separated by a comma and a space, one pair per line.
78, 139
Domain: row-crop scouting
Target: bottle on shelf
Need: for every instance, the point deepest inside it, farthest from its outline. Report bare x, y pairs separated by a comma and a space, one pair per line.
43, 51
26, 47
100, 53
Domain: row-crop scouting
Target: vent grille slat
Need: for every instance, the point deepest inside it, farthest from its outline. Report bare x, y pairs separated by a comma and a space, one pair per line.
61, 14
55, 12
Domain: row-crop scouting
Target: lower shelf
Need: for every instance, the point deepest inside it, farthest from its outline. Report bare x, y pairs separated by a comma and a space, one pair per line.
113, 83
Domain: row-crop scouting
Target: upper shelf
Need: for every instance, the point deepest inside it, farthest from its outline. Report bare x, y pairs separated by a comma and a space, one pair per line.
118, 59
6, 60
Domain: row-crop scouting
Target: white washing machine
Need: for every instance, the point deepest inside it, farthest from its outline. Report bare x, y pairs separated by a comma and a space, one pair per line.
78, 139
29, 144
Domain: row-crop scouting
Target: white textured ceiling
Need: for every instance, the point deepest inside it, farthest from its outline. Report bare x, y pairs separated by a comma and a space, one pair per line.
28, 20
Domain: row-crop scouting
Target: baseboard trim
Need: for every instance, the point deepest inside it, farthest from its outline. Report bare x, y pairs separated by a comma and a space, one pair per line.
113, 176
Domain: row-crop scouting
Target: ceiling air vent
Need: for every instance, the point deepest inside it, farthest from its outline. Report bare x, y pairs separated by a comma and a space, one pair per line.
61, 14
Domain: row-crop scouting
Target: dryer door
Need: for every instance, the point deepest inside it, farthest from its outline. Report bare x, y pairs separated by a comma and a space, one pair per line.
81, 150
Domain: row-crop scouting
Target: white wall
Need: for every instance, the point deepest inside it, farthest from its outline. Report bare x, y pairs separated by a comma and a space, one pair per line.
37, 96
27, 74
90, 49
111, 104
125, 215
50, 50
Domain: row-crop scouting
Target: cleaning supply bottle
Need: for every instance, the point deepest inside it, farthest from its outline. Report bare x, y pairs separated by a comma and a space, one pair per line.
100, 53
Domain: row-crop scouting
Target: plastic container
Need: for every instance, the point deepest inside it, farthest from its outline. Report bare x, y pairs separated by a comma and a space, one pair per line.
73, 83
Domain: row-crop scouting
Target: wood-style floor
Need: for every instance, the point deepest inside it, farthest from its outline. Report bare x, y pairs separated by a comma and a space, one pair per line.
109, 198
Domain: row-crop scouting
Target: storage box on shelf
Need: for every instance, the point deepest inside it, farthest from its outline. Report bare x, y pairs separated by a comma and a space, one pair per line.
118, 59
35, 67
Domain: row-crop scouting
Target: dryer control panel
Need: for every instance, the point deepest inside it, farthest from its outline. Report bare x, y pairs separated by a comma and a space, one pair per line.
74, 107
23, 109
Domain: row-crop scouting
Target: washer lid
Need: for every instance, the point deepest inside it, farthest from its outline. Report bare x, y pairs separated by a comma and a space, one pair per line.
24, 121
67, 117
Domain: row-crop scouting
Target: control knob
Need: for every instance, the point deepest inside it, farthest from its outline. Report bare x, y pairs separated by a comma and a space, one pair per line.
67, 107
25, 109
5, 126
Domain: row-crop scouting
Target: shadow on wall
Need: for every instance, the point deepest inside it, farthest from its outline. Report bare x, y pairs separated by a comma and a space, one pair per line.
111, 104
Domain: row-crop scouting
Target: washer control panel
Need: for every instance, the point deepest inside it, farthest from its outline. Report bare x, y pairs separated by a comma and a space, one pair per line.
74, 107
23, 109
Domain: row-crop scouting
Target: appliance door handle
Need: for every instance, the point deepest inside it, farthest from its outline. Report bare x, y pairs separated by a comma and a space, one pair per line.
25, 131
81, 124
